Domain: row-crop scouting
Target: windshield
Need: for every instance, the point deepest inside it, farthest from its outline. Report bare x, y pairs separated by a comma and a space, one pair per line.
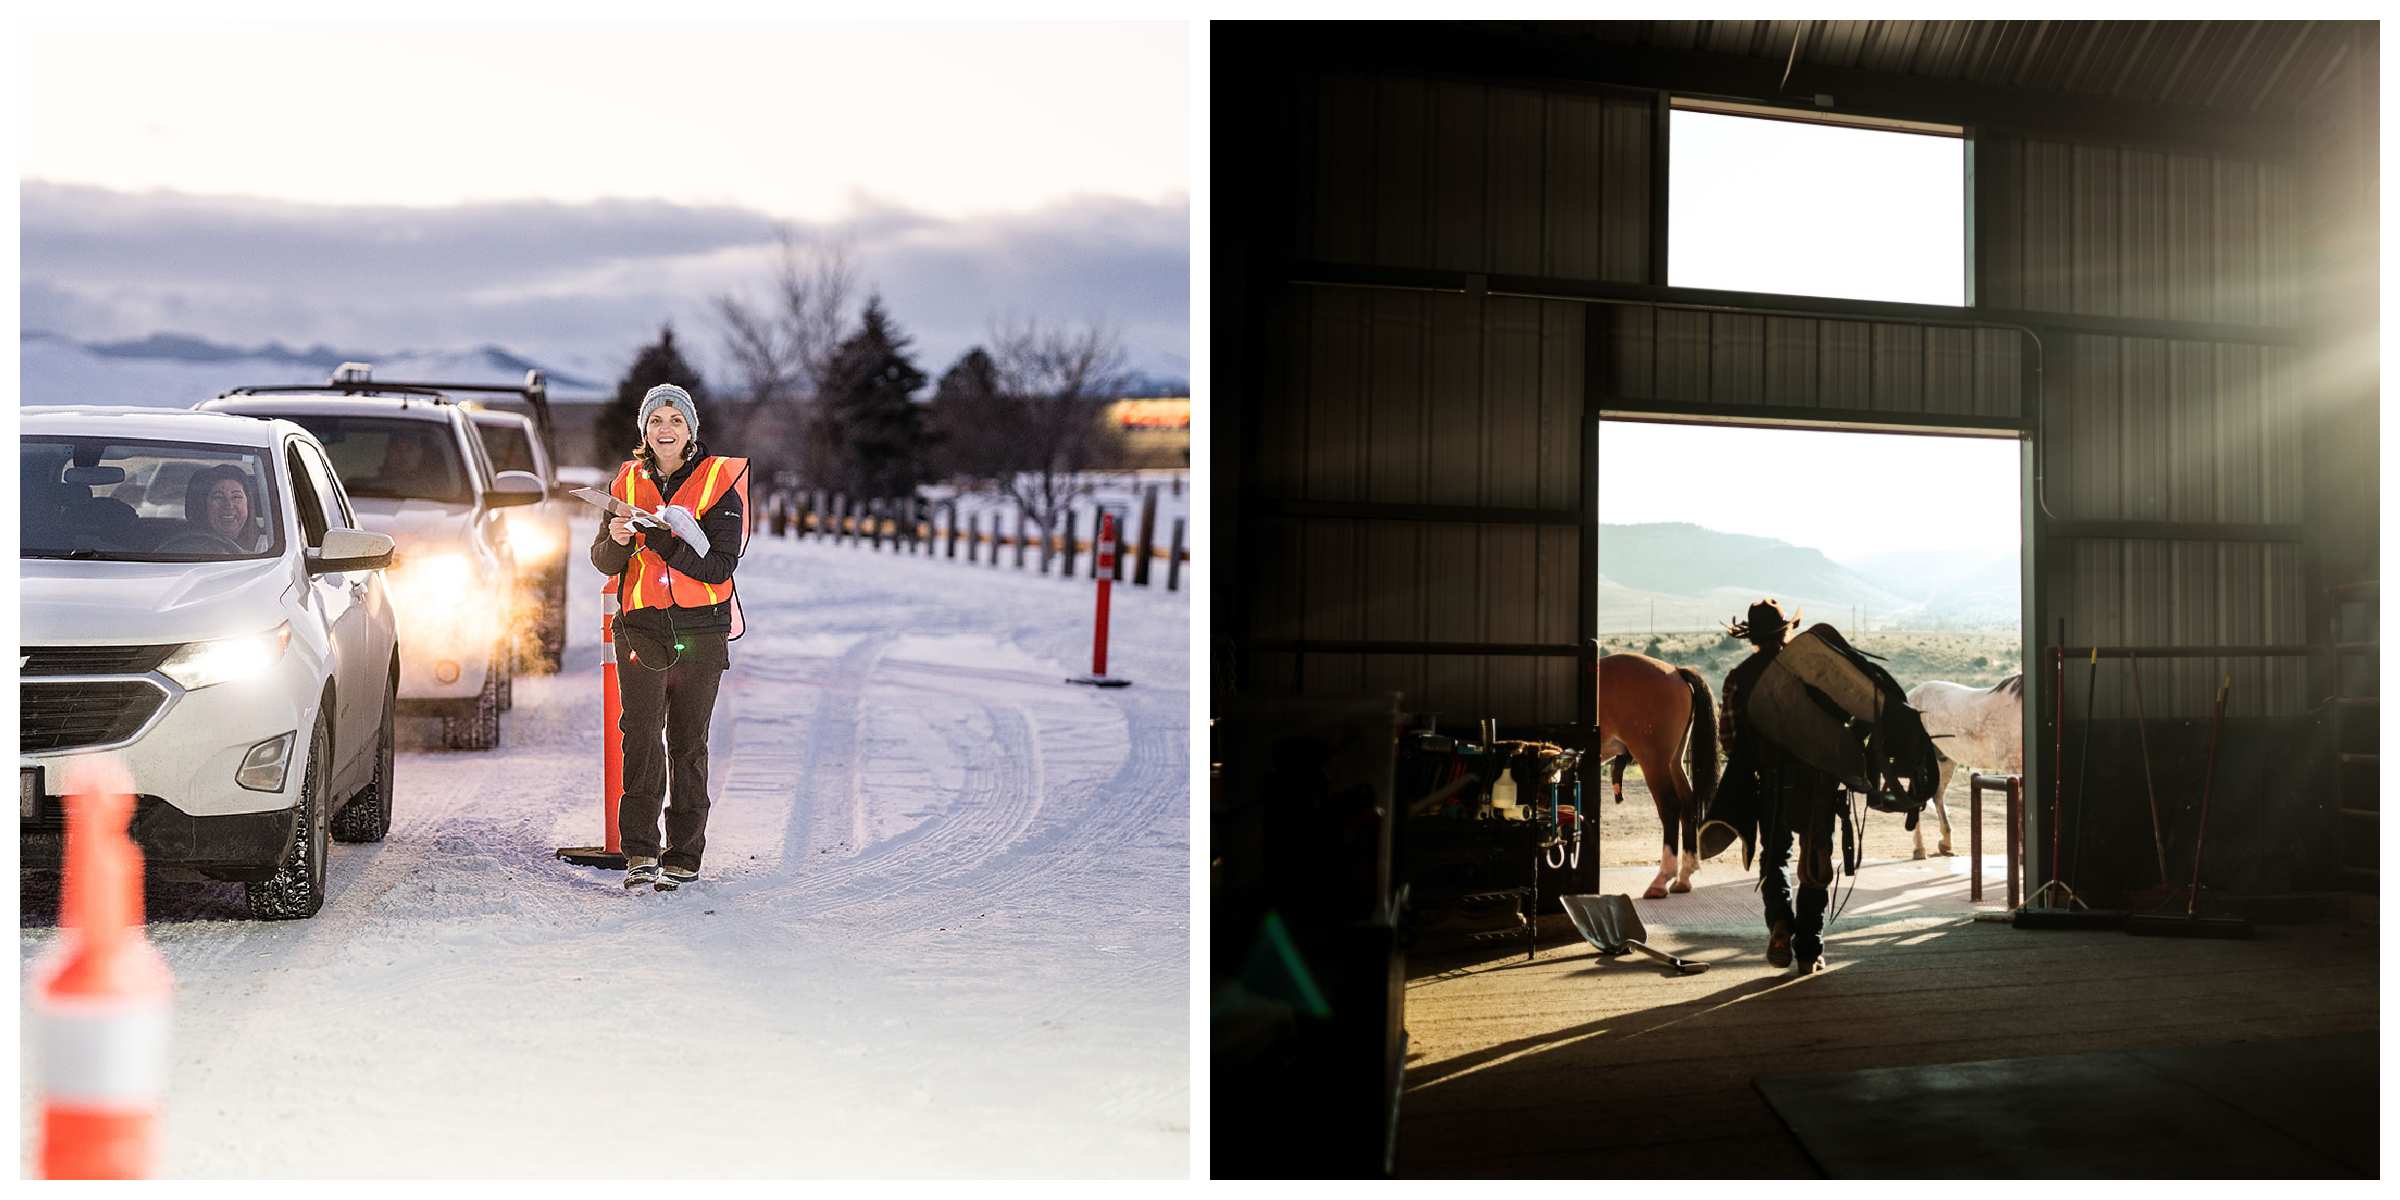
509, 448
389, 457
143, 501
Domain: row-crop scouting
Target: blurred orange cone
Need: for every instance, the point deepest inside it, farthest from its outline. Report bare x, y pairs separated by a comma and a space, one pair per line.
102, 996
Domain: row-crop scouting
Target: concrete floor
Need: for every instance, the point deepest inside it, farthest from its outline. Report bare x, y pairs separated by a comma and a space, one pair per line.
1573, 1065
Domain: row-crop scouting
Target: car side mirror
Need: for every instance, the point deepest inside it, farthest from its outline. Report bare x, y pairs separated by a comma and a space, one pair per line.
350, 550
514, 488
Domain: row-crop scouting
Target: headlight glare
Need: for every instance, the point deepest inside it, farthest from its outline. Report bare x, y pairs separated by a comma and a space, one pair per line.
204, 664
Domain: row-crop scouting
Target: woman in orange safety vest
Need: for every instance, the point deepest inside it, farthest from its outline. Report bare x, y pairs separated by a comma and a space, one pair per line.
676, 612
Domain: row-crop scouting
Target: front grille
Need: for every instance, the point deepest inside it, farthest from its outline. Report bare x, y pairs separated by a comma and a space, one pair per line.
66, 715
93, 660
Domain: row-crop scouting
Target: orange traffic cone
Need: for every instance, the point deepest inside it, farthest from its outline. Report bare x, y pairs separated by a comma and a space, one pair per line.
103, 996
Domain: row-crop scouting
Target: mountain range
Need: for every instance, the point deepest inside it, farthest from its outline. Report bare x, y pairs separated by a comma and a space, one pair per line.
1671, 576
178, 370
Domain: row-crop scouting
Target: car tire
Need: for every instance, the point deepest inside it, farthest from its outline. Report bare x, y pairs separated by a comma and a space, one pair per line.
297, 888
368, 816
479, 728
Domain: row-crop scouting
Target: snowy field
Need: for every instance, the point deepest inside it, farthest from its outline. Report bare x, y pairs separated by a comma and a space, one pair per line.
942, 927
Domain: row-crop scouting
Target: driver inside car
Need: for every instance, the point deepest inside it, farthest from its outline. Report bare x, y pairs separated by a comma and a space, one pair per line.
219, 501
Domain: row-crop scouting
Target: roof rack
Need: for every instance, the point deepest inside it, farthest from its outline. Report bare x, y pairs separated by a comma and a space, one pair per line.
357, 379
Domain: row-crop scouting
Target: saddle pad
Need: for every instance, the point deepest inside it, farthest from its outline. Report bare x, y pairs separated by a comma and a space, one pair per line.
1781, 706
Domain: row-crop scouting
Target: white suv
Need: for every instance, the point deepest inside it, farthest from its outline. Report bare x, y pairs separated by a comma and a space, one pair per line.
200, 603
416, 469
539, 535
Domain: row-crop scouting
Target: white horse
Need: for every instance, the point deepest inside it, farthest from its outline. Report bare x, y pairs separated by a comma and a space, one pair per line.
1983, 728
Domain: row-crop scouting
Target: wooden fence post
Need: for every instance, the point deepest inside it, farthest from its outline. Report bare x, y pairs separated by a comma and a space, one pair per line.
1067, 570
1119, 573
1024, 528
1141, 566
1175, 558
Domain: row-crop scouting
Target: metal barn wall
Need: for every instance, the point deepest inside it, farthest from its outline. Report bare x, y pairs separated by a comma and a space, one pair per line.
2202, 442
1411, 172
1662, 359
1437, 402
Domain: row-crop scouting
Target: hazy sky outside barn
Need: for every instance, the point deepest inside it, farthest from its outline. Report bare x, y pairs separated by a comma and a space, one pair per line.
1781, 207
562, 191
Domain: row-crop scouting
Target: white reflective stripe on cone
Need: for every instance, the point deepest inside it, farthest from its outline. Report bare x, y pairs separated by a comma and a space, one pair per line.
109, 1053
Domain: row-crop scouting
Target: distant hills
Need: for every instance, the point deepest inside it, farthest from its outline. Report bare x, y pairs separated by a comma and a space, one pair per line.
172, 370
1680, 576
175, 370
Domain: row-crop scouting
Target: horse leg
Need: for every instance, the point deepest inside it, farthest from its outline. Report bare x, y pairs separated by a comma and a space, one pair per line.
1942, 808
1616, 776
1917, 835
1664, 795
1688, 825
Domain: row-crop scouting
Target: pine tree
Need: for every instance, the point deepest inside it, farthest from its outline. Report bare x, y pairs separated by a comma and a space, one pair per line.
967, 405
616, 434
870, 418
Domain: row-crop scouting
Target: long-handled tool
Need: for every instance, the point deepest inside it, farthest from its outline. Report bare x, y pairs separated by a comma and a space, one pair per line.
2074, 914
2191, 923
2148, 898
1610, 924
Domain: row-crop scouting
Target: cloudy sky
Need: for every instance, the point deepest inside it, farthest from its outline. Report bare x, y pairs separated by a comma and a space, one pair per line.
561, 193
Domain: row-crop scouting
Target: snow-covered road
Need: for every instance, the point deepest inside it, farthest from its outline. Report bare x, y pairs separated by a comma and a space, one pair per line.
942, 929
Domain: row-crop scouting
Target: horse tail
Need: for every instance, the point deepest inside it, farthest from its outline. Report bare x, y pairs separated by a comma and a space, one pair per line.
1703, 740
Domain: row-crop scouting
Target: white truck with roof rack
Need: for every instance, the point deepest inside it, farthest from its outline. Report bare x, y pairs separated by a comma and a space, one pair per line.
416, 469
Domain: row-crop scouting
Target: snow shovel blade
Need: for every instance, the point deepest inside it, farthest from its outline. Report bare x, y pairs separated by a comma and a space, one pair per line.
1611, 924
1602, 920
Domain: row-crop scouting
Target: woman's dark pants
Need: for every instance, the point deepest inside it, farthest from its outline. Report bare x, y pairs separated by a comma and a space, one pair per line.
676, 702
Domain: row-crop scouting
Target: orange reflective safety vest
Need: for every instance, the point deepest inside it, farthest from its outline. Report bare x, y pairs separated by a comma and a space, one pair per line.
648, 582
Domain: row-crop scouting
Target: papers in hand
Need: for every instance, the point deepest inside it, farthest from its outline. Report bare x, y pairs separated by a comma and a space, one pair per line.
615, 507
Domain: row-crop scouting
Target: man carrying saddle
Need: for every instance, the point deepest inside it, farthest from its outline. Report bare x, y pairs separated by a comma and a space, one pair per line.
1789, 797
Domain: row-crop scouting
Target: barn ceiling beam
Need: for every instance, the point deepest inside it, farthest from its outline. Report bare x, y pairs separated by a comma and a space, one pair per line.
1462, 514
1537, 56
2177, 531
1353, 646
1766, 303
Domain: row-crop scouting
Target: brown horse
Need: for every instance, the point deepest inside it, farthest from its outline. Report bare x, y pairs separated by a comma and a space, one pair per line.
1654, 712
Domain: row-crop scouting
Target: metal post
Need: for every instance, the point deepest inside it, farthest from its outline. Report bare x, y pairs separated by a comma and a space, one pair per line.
1175, 558
953, 547
1141, 565
1023, 531
2015, 834
1067, 548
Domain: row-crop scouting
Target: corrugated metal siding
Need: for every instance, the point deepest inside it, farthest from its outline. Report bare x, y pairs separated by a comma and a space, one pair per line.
2143, 429
2111, 232
1460, 176
1404, 397
2237, 66
2115, 592
1679, 356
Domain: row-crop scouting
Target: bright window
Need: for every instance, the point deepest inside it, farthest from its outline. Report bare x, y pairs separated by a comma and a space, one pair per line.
1796, 208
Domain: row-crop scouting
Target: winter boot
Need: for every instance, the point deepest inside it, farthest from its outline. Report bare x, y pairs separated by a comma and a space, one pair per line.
640, 873
674, 877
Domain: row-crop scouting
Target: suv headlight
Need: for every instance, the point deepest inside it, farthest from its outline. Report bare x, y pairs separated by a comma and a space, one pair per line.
534, 539
204, 664
438, 583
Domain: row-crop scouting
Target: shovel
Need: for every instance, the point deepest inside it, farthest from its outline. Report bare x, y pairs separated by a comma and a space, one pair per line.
1610, 923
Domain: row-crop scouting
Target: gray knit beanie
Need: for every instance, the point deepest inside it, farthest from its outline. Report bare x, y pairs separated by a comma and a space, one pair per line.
667, 393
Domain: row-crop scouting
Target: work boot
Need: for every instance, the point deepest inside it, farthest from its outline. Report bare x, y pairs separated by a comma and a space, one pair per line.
1779, 944
670, 878
640, 872
1811, 965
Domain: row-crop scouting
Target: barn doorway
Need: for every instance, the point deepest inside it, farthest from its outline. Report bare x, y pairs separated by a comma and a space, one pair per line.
1912, 544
